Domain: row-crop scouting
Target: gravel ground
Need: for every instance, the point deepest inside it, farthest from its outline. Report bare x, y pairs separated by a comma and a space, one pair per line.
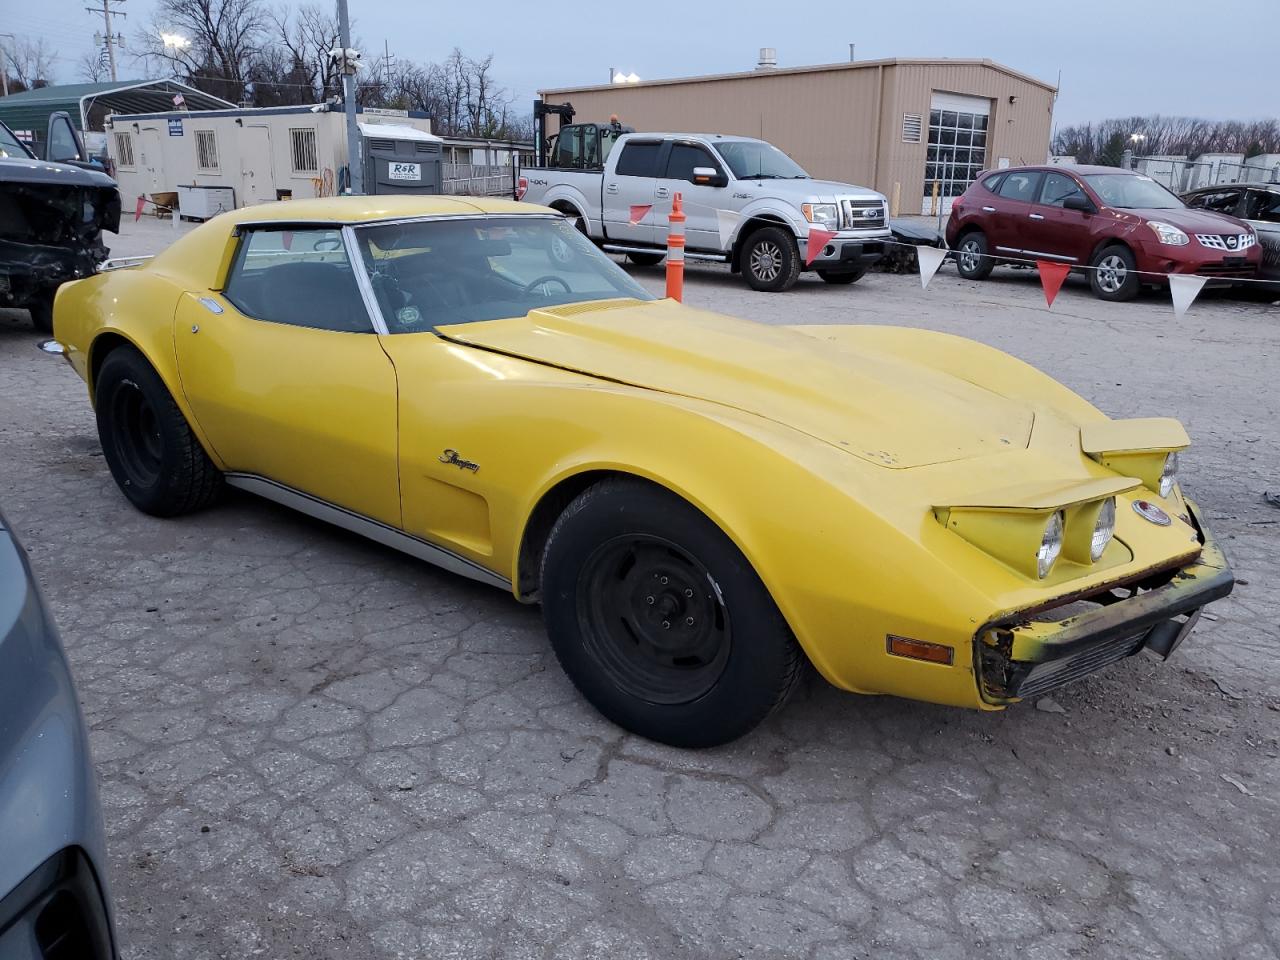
313, 747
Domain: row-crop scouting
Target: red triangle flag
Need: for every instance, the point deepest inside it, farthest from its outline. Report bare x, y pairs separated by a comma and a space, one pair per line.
639, 211
1051, 277
137, 210
817, 240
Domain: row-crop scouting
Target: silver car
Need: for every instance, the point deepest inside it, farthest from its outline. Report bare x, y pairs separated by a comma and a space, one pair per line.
53, 901
1256, 203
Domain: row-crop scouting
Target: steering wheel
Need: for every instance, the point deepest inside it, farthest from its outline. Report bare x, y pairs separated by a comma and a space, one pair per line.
327, 244
547, 278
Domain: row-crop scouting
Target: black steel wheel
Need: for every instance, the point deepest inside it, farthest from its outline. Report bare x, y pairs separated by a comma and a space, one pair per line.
154, 457
659, 619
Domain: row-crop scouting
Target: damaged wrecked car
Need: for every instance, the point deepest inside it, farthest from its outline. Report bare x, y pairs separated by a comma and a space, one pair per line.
52, 215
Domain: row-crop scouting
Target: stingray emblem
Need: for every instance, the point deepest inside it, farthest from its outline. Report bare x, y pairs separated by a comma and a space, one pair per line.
451, 457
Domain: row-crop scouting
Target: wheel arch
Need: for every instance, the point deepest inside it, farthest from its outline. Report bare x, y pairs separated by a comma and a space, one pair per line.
1107, 242
757, 222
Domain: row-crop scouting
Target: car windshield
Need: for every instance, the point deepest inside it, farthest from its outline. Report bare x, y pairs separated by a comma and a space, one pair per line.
1128, 192
434, 272
11, 146
755, 160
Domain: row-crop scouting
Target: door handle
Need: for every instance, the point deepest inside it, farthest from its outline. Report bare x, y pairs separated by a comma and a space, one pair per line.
988, 209
662, 192
1036, 216
611, 188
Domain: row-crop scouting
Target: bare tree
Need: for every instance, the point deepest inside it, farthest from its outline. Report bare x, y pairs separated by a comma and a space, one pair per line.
30, 63
308, 35
94, 67
224, 38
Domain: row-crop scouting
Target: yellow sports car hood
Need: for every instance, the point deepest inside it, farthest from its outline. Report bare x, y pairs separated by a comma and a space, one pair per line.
874, 405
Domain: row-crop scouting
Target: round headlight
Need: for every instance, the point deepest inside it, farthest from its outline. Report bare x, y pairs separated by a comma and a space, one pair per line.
1103, 530
1050, 545
1169, 474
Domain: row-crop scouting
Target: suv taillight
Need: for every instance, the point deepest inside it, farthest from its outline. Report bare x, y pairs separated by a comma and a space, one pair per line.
522, 187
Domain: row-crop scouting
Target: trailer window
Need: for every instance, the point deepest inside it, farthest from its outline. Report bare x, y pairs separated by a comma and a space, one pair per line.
124, 150
639, 159
206, 150
304, 157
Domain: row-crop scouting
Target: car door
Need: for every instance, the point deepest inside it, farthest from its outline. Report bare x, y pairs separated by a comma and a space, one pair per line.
632, 183
1052, 231
1012, 203
286, 377
1262, 210
700, 201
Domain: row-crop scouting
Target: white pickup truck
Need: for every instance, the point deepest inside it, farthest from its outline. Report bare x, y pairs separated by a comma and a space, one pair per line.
746, 202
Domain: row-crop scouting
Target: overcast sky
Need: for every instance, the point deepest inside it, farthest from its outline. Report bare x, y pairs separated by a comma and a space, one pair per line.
1116, 57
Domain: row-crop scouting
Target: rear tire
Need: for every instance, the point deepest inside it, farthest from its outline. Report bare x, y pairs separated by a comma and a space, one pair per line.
1115, 277
646, 259
972, 261
849, 276
771, 260
660, 621
154, 457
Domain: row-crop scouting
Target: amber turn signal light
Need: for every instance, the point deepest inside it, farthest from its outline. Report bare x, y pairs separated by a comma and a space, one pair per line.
919, 650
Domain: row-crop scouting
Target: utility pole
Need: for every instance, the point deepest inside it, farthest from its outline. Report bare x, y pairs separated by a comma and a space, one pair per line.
355, 174
4, 64
111, 40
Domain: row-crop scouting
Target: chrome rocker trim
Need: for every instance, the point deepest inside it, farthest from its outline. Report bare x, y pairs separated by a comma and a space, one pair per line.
367, 527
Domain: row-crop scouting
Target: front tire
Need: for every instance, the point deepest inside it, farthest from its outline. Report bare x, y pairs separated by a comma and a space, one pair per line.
154, 457
771, 260
41, 310
1115, 277
660, 621
848, 276
646, 259
972, 261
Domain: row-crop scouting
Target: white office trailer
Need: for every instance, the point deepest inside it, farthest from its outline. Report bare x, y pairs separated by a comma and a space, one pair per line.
244, 156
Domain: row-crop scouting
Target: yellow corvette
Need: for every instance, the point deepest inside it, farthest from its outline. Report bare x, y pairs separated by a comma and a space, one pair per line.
699, 503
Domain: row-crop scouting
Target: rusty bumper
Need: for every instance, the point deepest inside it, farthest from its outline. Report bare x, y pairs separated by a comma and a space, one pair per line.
1026, 656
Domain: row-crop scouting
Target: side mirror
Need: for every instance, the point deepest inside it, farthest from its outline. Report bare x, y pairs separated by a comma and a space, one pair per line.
709, 177
1078, 201
63, 143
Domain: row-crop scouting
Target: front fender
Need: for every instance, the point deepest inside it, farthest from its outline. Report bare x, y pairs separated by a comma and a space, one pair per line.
769, 208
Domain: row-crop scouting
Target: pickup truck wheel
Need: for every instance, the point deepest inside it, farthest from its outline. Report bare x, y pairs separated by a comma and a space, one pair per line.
660, 621
154, 457
1115, 275
646, 259
771, 260
972, 261
41, 310
848, 276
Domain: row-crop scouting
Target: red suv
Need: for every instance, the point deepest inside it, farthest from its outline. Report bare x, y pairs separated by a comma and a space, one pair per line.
1126, 225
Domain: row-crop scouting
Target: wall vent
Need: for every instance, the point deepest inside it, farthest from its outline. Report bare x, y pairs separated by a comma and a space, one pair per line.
912, 128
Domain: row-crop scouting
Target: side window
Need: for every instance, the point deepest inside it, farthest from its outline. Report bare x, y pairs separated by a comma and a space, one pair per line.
1019, 186
1263, 205
992, 184
684, 157
639, 159
1222, 201
1057, 188
297, 277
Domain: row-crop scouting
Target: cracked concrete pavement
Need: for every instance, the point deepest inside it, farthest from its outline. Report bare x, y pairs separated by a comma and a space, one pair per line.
311, 746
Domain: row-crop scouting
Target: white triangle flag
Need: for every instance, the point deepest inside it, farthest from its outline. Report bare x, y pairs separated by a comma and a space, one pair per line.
931, 259
1185, 289
727, 221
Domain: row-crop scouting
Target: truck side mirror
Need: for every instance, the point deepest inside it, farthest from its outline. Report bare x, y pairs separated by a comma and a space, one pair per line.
709, 177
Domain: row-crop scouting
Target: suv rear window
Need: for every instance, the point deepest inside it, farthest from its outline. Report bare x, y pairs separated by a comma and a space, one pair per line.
639, 160
992, 184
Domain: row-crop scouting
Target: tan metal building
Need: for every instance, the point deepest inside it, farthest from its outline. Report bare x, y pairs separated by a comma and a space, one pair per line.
900, 126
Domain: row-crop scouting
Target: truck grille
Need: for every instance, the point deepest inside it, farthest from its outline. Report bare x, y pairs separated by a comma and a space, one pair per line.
858, 214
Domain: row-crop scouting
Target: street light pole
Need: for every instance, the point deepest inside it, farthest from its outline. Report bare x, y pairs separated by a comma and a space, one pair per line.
355, 174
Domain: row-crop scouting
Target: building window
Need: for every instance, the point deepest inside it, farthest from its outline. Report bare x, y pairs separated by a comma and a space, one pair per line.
912, 127
206, 151
302, 150
957, 150
124, 149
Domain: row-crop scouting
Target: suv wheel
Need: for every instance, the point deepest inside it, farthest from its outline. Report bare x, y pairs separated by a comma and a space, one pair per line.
1115, 275
771, 260
972, 261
